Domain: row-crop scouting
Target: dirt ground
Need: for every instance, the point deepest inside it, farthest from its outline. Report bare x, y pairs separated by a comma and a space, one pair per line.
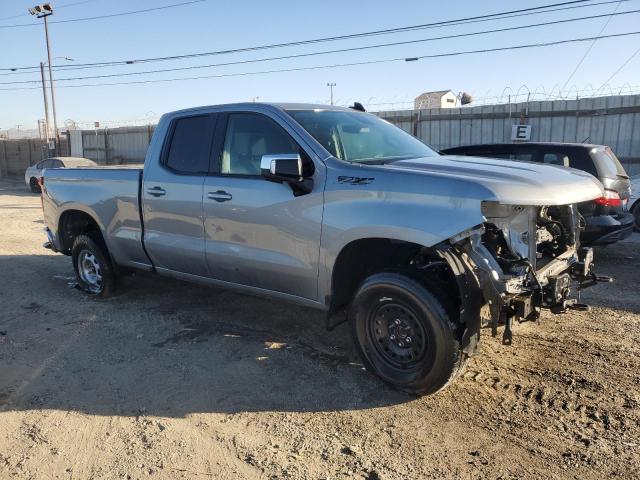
171, 380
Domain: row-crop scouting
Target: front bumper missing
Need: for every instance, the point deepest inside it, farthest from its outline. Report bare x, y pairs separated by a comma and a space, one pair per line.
522, 296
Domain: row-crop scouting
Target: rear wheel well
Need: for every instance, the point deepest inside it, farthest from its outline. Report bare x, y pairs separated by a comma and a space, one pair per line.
362, 258
73, 223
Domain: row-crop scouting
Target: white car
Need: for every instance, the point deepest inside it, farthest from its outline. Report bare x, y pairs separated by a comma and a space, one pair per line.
634, 201
34, 172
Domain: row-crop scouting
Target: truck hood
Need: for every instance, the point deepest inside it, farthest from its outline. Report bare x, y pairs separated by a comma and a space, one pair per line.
514, 183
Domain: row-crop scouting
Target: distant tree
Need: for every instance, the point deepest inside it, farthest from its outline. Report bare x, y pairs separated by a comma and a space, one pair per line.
465, 98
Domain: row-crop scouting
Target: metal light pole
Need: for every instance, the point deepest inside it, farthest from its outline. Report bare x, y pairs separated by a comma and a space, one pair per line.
46, 104
43, 11
53, 96
331, 85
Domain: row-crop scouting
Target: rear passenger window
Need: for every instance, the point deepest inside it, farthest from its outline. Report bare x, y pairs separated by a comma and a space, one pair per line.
522, 156
582, 161
190, 145
556, 159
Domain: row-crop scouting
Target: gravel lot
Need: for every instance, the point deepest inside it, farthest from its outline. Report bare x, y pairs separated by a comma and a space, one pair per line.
171, 380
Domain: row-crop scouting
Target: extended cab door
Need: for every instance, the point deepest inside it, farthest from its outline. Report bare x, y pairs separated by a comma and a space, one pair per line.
172, 196
257, 232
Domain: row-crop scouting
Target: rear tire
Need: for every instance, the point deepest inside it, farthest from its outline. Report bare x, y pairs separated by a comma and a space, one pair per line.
404, 334
94, 271
34, 185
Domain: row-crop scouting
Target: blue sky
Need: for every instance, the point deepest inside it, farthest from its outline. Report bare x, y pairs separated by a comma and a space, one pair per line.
215, 25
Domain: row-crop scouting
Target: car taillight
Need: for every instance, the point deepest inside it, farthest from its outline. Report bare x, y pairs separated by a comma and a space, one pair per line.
609, 199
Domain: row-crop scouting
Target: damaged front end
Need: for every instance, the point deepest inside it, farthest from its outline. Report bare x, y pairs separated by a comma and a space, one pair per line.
526, 258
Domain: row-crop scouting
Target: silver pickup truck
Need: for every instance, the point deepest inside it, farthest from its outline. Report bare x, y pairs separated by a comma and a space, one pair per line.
335, 209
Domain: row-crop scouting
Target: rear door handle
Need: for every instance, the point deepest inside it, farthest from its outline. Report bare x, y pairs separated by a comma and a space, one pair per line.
156, 191
219, 196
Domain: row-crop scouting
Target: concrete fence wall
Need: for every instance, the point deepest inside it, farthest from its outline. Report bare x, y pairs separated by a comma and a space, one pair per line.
17, 155
114, 146
613, 121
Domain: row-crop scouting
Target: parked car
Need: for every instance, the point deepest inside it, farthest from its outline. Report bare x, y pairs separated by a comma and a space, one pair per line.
634, 202
338, 210
34, 172
607, 218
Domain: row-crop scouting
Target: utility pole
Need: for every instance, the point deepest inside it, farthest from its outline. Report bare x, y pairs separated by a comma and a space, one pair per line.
53, 96
331, 85
46, 105
43, 11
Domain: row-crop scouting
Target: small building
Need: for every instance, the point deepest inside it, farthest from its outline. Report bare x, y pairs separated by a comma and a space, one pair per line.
439, 99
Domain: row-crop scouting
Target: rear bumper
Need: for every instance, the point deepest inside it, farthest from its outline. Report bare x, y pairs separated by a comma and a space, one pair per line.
606, 229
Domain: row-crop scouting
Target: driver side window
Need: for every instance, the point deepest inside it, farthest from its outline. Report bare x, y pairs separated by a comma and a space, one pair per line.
249, 136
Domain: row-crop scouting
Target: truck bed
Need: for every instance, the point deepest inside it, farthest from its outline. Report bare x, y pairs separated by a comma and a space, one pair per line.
111, 195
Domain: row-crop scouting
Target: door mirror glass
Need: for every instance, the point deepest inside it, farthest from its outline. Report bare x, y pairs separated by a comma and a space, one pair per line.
286, 167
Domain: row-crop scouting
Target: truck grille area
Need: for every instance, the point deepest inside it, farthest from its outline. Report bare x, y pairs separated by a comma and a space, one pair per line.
524, 237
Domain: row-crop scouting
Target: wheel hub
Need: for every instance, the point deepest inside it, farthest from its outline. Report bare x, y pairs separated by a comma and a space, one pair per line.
399, 336
89, 270
401, 332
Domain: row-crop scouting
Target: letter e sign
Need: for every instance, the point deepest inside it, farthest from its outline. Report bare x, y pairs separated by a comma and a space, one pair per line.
520, 133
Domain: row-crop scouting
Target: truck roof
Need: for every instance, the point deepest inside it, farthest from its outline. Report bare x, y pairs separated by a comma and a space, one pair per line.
276, 105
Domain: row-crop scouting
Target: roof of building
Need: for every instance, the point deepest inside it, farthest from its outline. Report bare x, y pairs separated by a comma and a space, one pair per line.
436, 92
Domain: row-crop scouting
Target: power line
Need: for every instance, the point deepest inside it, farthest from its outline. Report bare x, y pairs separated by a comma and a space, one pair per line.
126, 62
58, 7
444, 23
326, 52
590, 47
624, 64
111, 15
370, 62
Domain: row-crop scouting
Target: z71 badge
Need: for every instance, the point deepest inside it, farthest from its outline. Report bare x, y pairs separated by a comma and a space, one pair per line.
355, 180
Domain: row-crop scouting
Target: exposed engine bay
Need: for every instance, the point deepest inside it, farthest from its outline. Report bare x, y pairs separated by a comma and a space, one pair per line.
527, 258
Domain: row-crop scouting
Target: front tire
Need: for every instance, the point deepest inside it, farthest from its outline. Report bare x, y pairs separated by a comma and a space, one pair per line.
404, 334
92, 264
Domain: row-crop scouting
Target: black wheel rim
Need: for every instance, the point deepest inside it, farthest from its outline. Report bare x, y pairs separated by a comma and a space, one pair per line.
397, 335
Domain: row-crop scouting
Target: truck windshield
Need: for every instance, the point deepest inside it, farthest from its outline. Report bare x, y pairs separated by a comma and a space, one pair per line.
360, 137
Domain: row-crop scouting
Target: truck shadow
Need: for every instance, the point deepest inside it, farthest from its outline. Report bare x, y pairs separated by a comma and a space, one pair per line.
168, 348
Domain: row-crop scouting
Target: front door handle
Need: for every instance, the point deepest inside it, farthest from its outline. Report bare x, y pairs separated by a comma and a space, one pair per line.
219, 196
156, 191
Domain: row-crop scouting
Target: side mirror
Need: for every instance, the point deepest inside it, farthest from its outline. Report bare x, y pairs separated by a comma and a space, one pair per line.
285, 167
288, 168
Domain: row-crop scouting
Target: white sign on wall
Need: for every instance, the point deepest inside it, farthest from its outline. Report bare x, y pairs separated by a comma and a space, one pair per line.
520, 133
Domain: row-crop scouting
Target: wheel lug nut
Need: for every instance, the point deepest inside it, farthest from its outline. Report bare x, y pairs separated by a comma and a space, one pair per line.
392, 337
397, 321
400, 344
408, 339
